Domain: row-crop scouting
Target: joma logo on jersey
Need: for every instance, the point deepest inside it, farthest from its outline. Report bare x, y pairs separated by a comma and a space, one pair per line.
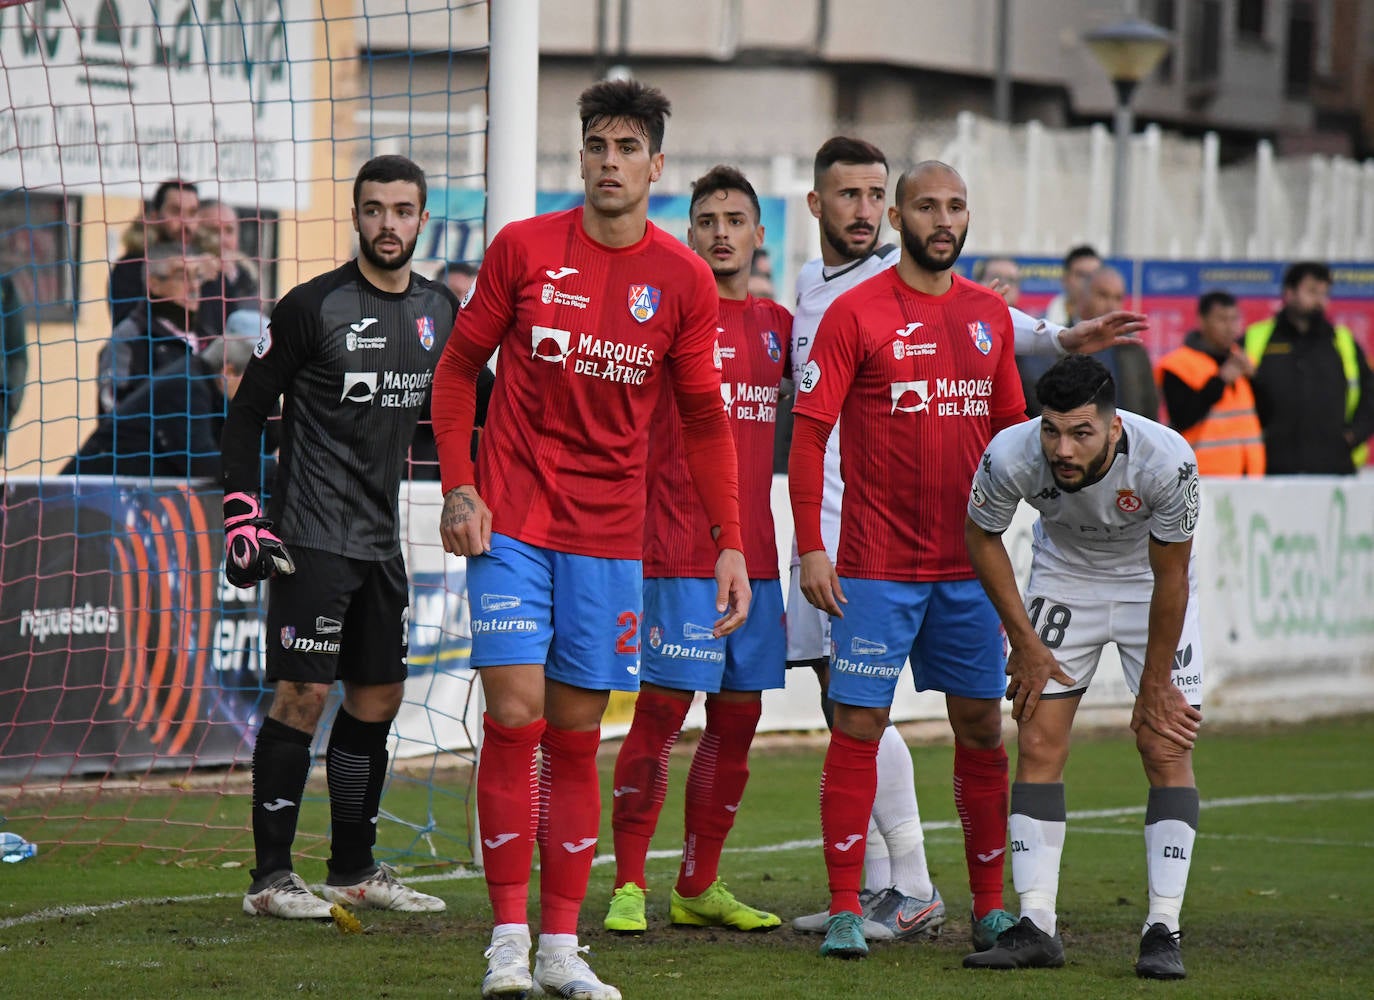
910, 397
359, 387
644, 301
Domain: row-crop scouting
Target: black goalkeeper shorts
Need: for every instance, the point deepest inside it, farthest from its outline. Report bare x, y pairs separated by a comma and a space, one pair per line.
337, 618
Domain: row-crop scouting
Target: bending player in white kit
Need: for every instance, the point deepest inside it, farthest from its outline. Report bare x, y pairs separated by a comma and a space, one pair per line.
1118, 502
849, 203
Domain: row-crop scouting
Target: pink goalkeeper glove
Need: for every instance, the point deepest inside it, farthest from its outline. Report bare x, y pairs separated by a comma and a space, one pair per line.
251, 551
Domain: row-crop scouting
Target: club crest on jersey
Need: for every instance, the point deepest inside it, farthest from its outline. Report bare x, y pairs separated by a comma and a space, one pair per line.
655, 636
982, 336
1127, 501
424, 326
644, 302
288, 636
772, 345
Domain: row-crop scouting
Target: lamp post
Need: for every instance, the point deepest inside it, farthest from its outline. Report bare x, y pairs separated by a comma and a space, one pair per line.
1128, 50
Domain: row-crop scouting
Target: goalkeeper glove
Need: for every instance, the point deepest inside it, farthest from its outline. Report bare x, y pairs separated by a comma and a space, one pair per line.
251, 551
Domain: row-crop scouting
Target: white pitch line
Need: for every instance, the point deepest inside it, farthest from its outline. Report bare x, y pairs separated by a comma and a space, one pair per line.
462, 873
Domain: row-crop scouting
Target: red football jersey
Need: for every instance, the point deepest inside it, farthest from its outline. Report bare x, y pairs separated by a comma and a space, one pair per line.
753, 338
587, 335
919, 384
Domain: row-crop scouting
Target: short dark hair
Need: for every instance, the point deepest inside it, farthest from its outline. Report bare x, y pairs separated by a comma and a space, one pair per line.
723, 178
1294, 274
167, 187
843, 149
455, 267
626, 99
1076, 380
387, 169
1215, 299
1078, 253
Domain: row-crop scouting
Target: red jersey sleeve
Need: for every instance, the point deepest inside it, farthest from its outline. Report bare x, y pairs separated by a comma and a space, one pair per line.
1008, 398
486, 314
695, 367
828, 374
710, 453
806, 480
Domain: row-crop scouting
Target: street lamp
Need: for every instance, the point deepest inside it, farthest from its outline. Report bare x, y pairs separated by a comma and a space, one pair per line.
1128, 50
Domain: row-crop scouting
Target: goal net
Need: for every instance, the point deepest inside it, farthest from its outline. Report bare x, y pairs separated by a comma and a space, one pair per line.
131, 675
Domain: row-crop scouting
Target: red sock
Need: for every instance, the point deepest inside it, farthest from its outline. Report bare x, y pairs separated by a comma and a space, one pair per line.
849, 783
641, 780
980, 795
569, 815
507, 809
715, 785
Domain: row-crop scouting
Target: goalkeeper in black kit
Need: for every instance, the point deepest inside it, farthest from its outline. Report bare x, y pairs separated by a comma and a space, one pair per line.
353, 352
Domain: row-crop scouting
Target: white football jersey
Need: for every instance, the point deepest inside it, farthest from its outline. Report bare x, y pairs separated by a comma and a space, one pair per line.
1094, 542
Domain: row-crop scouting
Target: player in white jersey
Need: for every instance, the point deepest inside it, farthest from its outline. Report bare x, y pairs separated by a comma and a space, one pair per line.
1112, 562
849, 203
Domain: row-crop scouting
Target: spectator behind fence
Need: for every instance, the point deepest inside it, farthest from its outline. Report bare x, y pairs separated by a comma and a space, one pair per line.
1314, 391
170, 425
1002, 275
157, 333
458, 275
424, 453
1206, 388
1129, 363
14, 363
234, 284
761, 275
171, 218
1080, 264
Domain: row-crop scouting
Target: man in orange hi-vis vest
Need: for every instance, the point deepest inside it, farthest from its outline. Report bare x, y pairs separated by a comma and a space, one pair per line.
1206, 389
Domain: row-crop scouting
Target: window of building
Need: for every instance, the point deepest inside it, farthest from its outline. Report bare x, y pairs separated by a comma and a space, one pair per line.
39, 250
1250, 18
1202, 51
1165, 14
1300, 58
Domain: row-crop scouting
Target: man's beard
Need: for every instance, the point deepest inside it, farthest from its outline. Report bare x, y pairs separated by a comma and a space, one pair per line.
845, 249
383, 263
1092, 472
915, 248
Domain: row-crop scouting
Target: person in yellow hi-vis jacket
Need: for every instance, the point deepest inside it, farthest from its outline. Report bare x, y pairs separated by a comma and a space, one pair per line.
1314, 391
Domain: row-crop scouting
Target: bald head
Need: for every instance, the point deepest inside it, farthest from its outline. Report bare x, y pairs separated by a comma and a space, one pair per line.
1106, 293
915, 179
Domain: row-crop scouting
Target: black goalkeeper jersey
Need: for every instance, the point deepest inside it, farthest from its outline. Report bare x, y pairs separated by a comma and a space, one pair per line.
355, 365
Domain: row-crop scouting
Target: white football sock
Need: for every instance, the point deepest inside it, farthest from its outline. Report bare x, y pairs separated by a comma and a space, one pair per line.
877, 867
1036, 828
899, 818
1170, 829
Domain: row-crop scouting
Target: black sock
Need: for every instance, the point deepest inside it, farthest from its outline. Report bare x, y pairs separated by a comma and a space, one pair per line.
356, 764
281, 762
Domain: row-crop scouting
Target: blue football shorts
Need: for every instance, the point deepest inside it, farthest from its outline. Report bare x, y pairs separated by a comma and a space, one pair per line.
577, 615
949, 630
680, 652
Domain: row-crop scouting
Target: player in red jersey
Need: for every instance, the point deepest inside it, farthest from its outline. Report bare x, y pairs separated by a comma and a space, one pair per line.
919, 363
683, 656
592, 309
